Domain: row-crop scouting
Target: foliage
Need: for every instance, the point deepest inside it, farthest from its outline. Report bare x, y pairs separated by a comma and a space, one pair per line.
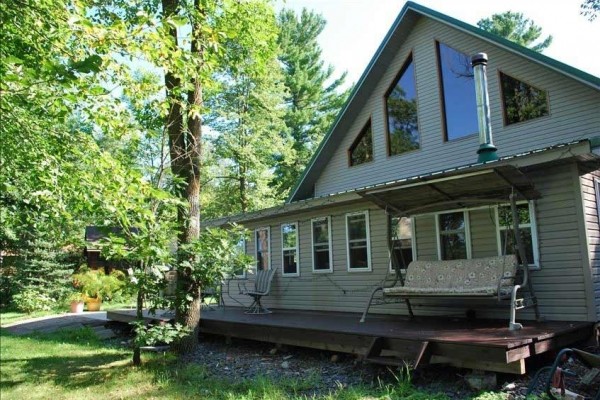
314, 97
159, 334
516, 28
590, 9
246, 116
76, 297
95, 284
212, 257
31, 299
44, 267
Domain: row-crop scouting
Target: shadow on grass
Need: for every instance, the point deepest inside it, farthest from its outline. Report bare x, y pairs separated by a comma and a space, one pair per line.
70, 358
75, 359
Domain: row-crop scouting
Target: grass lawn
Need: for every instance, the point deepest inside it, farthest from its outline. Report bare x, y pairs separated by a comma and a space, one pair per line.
74, 364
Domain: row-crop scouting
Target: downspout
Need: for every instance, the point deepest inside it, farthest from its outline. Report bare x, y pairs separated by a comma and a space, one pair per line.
487, 150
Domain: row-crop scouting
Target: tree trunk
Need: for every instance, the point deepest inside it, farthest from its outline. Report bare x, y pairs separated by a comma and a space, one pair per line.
185, 147
139, 316
191, 319
242, 188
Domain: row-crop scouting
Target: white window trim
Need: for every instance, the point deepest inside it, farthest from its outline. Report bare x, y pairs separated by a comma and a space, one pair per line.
296, 248
312, 246
467, 231
597, 190
268, 229
244, 250
413, 232
369, 267
532, 225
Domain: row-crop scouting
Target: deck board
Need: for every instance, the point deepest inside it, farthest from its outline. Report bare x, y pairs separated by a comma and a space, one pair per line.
457, 338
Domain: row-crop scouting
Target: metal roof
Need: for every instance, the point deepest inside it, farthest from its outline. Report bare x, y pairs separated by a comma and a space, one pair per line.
490, 181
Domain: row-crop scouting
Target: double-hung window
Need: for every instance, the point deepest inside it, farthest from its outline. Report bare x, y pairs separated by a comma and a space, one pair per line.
401, 236
597, 189
263, 248
321, 245
453, 235
506, 236
357, 241
289, 249
240, 248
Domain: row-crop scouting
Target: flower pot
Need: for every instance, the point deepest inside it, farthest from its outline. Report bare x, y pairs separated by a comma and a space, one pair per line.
93, 304
77, 307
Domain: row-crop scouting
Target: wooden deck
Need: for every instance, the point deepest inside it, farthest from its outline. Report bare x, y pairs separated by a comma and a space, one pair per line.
481, 344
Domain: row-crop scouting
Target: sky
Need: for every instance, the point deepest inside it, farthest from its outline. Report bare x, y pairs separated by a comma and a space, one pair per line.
355, 28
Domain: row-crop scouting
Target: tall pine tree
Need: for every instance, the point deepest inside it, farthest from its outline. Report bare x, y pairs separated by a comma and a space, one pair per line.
314, 96
246, 116
516, 28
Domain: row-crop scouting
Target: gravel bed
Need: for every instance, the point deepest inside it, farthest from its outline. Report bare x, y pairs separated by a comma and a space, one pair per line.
325, 371
322, 372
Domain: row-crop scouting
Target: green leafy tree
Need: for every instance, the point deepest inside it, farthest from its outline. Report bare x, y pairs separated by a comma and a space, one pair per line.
246, 117
314, 96
590, 9
75, 124
516, 28
188, 41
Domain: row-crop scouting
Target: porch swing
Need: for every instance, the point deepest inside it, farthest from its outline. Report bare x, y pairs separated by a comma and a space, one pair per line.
500, 277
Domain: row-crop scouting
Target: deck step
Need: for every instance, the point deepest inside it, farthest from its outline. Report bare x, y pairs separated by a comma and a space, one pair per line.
104, 333
398, 352
391, 361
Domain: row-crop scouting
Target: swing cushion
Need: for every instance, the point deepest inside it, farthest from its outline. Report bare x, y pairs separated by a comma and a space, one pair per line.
483, 277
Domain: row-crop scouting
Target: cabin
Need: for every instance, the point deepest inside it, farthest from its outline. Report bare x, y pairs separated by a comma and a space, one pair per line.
423, 163
92, 251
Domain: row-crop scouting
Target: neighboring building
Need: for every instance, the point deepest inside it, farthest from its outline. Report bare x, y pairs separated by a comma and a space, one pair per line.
93, 251
407, 137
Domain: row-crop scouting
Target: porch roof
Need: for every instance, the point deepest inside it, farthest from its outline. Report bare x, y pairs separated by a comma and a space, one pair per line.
454, 188
473, 184
465, 185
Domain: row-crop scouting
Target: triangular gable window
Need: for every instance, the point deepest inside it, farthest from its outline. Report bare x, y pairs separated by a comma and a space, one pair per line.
361, 150
521, 101
401, 108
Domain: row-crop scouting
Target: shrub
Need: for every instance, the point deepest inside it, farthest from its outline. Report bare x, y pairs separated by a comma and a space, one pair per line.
158, 334
96, 284
30, 300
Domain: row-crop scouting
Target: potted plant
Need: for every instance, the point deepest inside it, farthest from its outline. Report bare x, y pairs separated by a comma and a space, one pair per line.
95, 285
77, 300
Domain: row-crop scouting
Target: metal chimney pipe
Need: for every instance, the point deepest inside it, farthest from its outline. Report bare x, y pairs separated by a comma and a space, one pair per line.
487, 150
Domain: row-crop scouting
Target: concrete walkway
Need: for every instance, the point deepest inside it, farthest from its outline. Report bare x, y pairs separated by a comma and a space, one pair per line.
94, 320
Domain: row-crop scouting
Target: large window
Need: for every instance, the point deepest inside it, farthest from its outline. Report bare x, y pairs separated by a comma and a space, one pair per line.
401, 107
263, 249
453, 236
506, 236
357, 241
521, 101
240, 248
321, 242
458, 92
289, 249
361, 150
401, 236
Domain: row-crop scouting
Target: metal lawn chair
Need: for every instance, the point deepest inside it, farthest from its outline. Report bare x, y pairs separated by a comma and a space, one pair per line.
262, 286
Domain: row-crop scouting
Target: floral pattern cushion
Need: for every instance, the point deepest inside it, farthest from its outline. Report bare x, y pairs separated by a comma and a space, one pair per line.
478, 276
